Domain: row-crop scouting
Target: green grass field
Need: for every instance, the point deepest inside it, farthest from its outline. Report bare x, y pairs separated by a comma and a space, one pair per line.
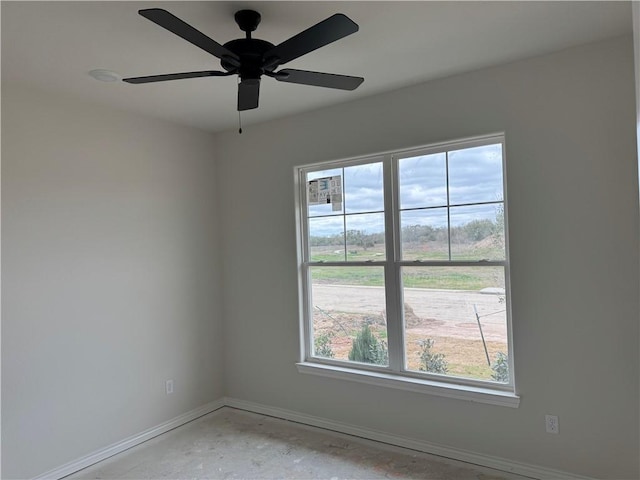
453, 278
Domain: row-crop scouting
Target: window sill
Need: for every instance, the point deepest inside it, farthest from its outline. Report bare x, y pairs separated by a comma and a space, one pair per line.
460, 392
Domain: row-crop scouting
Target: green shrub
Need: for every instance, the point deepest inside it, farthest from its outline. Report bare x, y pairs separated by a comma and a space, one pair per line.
379, 353
431, 362
500, 368
322, 345
366, 348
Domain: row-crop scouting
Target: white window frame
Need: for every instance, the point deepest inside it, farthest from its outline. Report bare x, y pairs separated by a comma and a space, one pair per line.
395, 375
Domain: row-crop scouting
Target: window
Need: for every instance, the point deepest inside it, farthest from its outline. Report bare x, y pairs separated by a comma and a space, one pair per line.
404, 270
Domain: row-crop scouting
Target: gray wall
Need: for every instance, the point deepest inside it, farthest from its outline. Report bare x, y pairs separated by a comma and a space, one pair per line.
572, 179
112, 265
110, 277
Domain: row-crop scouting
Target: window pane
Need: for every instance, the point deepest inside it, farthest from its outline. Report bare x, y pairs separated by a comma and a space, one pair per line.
423, 181
324, 208
475, 175
348, 321
326, 239
365, 237
424, 234
363, 188
477, 232
446, 312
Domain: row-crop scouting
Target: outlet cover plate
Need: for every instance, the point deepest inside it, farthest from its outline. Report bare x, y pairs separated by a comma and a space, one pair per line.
552, 425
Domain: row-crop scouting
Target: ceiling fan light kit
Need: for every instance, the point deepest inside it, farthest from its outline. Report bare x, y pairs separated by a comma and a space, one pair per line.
251, 58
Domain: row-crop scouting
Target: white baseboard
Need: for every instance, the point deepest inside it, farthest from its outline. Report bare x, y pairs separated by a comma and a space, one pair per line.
497, 463
502, 464
104, 453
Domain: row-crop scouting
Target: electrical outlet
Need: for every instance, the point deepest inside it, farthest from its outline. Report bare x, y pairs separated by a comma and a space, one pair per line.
551, 421
168, 385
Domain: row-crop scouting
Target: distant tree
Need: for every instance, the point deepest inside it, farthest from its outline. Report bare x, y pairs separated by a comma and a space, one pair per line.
421, 234
498, 229
477, 230
321, 241
360, 238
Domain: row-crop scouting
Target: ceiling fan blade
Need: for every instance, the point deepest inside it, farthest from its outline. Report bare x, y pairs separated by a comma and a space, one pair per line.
318, 79
248, 94
329, 30
175, 25
176, 76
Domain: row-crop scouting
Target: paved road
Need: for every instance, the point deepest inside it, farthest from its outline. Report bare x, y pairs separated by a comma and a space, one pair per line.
453, 310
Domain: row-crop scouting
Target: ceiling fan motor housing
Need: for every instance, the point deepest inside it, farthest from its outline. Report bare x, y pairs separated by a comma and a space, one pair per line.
251, 52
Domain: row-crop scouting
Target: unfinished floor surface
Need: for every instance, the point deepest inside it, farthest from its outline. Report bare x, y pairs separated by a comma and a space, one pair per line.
232, 443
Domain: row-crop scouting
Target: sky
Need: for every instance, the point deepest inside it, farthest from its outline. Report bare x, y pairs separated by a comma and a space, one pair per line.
475, 175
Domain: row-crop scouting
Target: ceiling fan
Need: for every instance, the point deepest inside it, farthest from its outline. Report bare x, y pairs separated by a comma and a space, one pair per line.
250, 58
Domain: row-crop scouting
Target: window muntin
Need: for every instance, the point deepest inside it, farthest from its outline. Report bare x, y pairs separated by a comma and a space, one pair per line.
436, 249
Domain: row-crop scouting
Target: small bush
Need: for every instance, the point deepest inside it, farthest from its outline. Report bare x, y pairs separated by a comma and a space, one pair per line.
431, 362
322, 345
366, 348
379, 353
500, 368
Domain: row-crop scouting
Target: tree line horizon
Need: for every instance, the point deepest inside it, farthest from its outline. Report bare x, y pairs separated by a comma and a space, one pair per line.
470, 232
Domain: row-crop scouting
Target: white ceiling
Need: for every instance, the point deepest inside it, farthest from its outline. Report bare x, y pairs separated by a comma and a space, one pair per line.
52, 45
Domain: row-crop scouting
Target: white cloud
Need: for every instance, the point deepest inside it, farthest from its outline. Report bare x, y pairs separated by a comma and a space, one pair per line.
474, 175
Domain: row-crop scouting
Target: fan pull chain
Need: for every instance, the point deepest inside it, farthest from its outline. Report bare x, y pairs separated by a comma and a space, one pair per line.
239, 119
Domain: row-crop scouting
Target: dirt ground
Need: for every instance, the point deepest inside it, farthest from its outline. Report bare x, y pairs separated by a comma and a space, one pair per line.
448, 317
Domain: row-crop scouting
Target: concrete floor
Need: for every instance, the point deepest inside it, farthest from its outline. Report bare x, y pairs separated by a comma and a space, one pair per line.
232, 443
